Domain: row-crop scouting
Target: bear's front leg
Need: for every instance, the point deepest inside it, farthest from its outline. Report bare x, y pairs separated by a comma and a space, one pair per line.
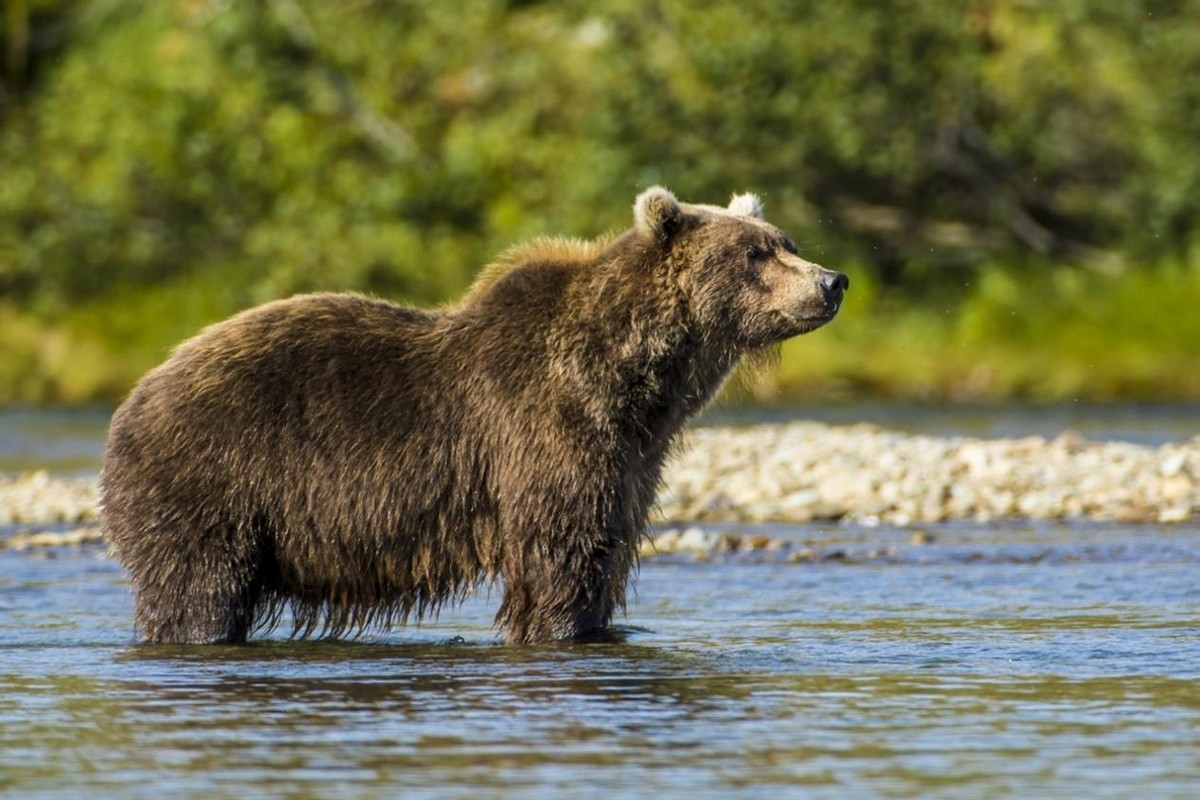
567, 593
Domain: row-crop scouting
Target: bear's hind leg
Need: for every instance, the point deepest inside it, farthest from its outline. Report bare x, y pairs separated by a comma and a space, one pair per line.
207, 595
210, 617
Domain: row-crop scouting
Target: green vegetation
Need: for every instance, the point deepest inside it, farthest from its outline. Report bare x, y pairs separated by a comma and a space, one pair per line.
1013, 187
1050, 336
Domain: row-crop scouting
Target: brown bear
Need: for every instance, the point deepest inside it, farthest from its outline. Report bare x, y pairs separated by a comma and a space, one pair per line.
364, 463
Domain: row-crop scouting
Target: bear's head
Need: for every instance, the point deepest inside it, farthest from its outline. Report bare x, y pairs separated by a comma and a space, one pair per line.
740, 276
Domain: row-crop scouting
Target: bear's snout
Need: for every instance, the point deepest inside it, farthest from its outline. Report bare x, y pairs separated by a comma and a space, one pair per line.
834, 285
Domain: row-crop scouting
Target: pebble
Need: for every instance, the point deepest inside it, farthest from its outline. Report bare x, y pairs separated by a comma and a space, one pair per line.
920, 538
74, 537
36, 498
756, 542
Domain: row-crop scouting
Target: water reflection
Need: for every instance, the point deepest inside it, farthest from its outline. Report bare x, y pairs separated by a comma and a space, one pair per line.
472, 727
415, 679
926, 674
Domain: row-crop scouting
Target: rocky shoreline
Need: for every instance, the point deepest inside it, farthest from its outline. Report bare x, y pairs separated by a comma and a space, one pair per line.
801, 472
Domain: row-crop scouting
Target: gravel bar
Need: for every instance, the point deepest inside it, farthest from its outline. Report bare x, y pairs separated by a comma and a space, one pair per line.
802, 471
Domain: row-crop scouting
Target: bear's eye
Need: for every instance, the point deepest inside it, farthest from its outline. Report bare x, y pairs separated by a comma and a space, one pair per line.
755, 253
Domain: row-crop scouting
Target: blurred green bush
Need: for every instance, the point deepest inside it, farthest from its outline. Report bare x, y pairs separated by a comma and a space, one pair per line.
166, 162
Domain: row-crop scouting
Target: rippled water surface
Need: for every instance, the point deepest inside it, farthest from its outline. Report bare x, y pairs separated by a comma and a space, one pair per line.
1001, 661
995, 661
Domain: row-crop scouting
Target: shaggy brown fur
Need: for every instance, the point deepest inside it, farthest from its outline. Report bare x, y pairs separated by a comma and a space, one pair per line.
365, 463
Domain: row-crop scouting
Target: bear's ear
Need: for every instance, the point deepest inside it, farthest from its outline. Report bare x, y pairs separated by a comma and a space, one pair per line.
657, 213
746, 205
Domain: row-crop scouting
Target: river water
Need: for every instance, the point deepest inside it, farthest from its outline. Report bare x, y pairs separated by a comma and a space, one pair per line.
1008, 659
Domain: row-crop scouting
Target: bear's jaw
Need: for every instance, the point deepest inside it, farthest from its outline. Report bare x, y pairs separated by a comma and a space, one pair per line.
790, 325
809, 324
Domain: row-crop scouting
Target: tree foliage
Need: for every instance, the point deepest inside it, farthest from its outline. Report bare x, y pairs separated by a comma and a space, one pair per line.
257, 149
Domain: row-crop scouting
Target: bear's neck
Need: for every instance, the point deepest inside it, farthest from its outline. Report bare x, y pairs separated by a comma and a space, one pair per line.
644, 369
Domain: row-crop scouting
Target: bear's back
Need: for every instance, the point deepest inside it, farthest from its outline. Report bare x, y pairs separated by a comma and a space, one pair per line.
269, 379
302, 332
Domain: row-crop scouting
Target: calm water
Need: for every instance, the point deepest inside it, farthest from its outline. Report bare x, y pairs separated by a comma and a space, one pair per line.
1004, 660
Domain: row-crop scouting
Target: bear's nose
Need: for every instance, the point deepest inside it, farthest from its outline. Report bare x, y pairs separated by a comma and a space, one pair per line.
835, 283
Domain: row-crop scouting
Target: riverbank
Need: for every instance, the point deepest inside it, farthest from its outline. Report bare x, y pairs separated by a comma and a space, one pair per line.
803, 471
800, 472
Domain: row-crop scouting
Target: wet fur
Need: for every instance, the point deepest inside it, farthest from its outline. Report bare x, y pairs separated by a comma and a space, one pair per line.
364, 464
